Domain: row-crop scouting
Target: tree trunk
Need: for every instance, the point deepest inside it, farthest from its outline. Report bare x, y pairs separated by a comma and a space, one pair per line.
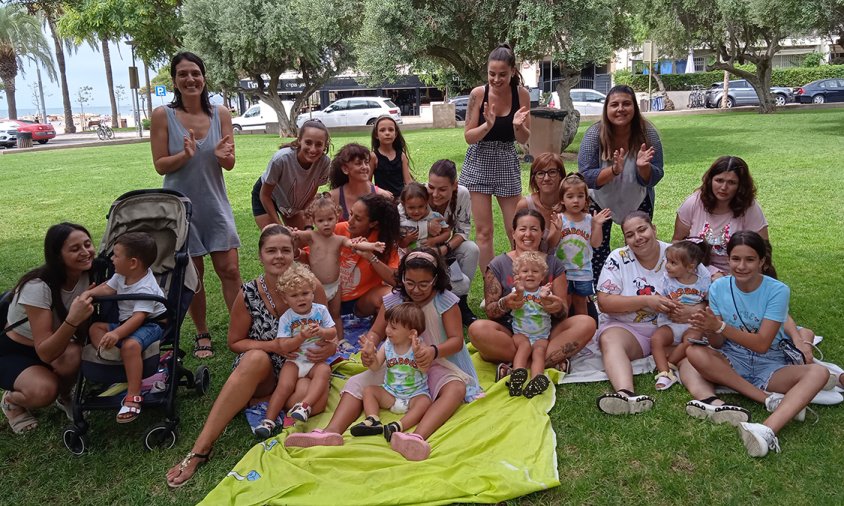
767, 104
149, 91
570, 79
11, 103
110, 80
69, 127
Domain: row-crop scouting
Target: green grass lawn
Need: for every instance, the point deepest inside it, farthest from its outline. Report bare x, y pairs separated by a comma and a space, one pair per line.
660, 457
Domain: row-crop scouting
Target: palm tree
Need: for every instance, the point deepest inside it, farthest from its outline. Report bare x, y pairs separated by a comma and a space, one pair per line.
20, 36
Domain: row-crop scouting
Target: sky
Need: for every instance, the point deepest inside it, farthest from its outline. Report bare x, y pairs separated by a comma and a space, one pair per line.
85, 67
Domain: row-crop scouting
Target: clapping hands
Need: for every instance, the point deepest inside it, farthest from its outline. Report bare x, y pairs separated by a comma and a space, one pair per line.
646, 154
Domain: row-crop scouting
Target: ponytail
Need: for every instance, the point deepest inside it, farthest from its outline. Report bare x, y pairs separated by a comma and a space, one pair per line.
505, 53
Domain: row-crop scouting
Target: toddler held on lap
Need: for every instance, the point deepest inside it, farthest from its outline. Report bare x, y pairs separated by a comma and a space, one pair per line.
405, 388
300, 328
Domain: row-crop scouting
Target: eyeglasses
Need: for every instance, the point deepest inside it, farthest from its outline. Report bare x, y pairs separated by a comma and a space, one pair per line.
411, 286
546, 173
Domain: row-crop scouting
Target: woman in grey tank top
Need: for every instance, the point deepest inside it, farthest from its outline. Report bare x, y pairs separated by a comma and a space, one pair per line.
191, 144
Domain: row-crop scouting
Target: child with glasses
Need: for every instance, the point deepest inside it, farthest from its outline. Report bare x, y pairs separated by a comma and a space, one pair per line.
580, 233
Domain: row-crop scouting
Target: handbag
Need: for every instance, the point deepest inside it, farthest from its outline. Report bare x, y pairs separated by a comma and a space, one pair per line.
5, 302
792, 353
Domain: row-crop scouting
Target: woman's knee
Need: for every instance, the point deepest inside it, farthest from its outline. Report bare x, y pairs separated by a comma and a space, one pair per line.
480, 331
453, 391
253, 363
40, 390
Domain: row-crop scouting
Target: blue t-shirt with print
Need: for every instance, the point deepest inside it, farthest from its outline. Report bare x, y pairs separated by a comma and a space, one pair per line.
769, 301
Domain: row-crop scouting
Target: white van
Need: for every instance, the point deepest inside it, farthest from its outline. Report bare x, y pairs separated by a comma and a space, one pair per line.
257, 116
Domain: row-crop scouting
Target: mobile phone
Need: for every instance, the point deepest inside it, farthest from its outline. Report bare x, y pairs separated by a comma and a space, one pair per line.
702, 341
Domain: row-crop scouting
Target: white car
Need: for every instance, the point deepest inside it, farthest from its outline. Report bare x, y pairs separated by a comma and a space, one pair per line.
353, 111
257, 116
587, 102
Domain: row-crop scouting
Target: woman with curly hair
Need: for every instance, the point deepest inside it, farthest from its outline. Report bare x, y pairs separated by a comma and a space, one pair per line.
351, 178
724, 204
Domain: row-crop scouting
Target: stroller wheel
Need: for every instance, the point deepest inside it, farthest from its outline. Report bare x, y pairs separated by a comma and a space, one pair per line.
161, 435
75, 440
202, 381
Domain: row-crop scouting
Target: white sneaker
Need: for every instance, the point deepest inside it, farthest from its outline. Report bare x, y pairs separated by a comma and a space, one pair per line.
773, 401
758, 439
725, 413
622, 404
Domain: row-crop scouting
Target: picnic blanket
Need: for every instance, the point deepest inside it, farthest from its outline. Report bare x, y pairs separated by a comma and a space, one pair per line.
496, 448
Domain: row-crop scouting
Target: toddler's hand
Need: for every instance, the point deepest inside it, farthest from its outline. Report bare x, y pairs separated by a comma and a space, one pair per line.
435, 227
379, 246
367, 353
108, 340
602, 216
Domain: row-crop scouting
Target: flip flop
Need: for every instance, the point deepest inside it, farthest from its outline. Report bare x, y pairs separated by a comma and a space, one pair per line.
20, 423
183, 465
502, 371
536, 386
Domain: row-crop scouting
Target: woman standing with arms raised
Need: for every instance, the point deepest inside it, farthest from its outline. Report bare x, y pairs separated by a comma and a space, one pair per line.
191, 142
621, 159
496, 116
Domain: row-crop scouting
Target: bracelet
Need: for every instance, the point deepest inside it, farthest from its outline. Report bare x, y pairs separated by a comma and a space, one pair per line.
721, 329
448, 248
436, 351
612, 169
501, 306
70, 324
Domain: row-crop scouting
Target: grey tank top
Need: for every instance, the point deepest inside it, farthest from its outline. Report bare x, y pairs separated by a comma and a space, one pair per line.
212, 225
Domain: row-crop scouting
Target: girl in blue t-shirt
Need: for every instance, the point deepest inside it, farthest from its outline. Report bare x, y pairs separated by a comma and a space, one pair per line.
744, 323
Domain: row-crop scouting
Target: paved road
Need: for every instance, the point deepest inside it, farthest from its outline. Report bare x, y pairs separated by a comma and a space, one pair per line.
80, 139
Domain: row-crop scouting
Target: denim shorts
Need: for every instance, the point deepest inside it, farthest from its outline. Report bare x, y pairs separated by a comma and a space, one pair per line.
146, 334
582, 288
756, 368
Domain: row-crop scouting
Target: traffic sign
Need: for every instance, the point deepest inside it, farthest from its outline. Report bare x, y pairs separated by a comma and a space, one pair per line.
160, 91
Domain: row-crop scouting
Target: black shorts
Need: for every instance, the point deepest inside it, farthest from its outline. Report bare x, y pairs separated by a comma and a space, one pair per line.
348, 306
257, 205
14, 359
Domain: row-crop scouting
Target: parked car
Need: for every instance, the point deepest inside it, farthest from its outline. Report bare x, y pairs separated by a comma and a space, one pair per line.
820, 91
742, 93
353, 111
587, 102
257, 116
8, 134
460, 105
41, 132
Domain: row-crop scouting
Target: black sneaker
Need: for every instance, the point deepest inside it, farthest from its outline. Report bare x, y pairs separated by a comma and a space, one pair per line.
466, 313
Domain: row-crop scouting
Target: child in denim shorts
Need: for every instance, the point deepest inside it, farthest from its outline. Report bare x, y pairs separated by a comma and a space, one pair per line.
133, 254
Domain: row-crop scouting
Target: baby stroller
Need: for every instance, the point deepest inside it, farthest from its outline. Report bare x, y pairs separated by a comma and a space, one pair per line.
165, 215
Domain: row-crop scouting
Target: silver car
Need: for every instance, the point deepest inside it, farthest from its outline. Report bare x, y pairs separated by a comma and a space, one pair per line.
8, 134
742, 93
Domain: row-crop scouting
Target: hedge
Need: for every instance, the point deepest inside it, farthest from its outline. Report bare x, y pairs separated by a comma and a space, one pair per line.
790, 77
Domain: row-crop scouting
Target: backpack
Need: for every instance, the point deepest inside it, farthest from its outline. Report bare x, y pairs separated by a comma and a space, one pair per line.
6, 301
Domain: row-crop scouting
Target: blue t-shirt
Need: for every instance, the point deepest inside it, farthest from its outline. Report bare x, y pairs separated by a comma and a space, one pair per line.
769, 301
291, 323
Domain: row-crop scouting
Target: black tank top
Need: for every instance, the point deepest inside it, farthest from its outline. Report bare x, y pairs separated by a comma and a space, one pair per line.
388, 173
502, 129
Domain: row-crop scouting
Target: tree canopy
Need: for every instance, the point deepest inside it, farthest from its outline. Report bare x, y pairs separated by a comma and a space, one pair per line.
20, 37
264, 39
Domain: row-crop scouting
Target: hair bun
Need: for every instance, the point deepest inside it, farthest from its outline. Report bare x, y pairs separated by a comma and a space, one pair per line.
505, 45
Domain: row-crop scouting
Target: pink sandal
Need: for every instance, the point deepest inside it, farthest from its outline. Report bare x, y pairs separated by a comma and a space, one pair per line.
316, 437
410, 446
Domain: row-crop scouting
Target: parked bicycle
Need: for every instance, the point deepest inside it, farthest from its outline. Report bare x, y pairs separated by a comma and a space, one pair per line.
697, 98
104, 132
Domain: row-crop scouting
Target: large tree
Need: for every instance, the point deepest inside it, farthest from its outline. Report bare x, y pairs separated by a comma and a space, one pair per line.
20, 36
310, 37
573, 33
430, 34
738, 32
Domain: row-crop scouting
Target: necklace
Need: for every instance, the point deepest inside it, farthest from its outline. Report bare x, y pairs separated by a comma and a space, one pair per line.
267, 292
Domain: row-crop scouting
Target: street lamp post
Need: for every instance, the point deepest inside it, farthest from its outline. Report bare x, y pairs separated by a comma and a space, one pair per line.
133, 84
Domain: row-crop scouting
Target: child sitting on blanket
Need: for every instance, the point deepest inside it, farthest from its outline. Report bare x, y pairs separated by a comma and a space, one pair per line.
685, 282
405, 387
531, 325
324, 254
299, 328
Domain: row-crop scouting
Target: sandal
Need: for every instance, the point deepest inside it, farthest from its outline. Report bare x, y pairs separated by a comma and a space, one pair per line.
536, 386
369, 427
624, 402
129, 413
392, 428
202, 348
24, 421
265, 429
725, 413
564, 366
518, 377
502, 371
665, 380
183, 465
